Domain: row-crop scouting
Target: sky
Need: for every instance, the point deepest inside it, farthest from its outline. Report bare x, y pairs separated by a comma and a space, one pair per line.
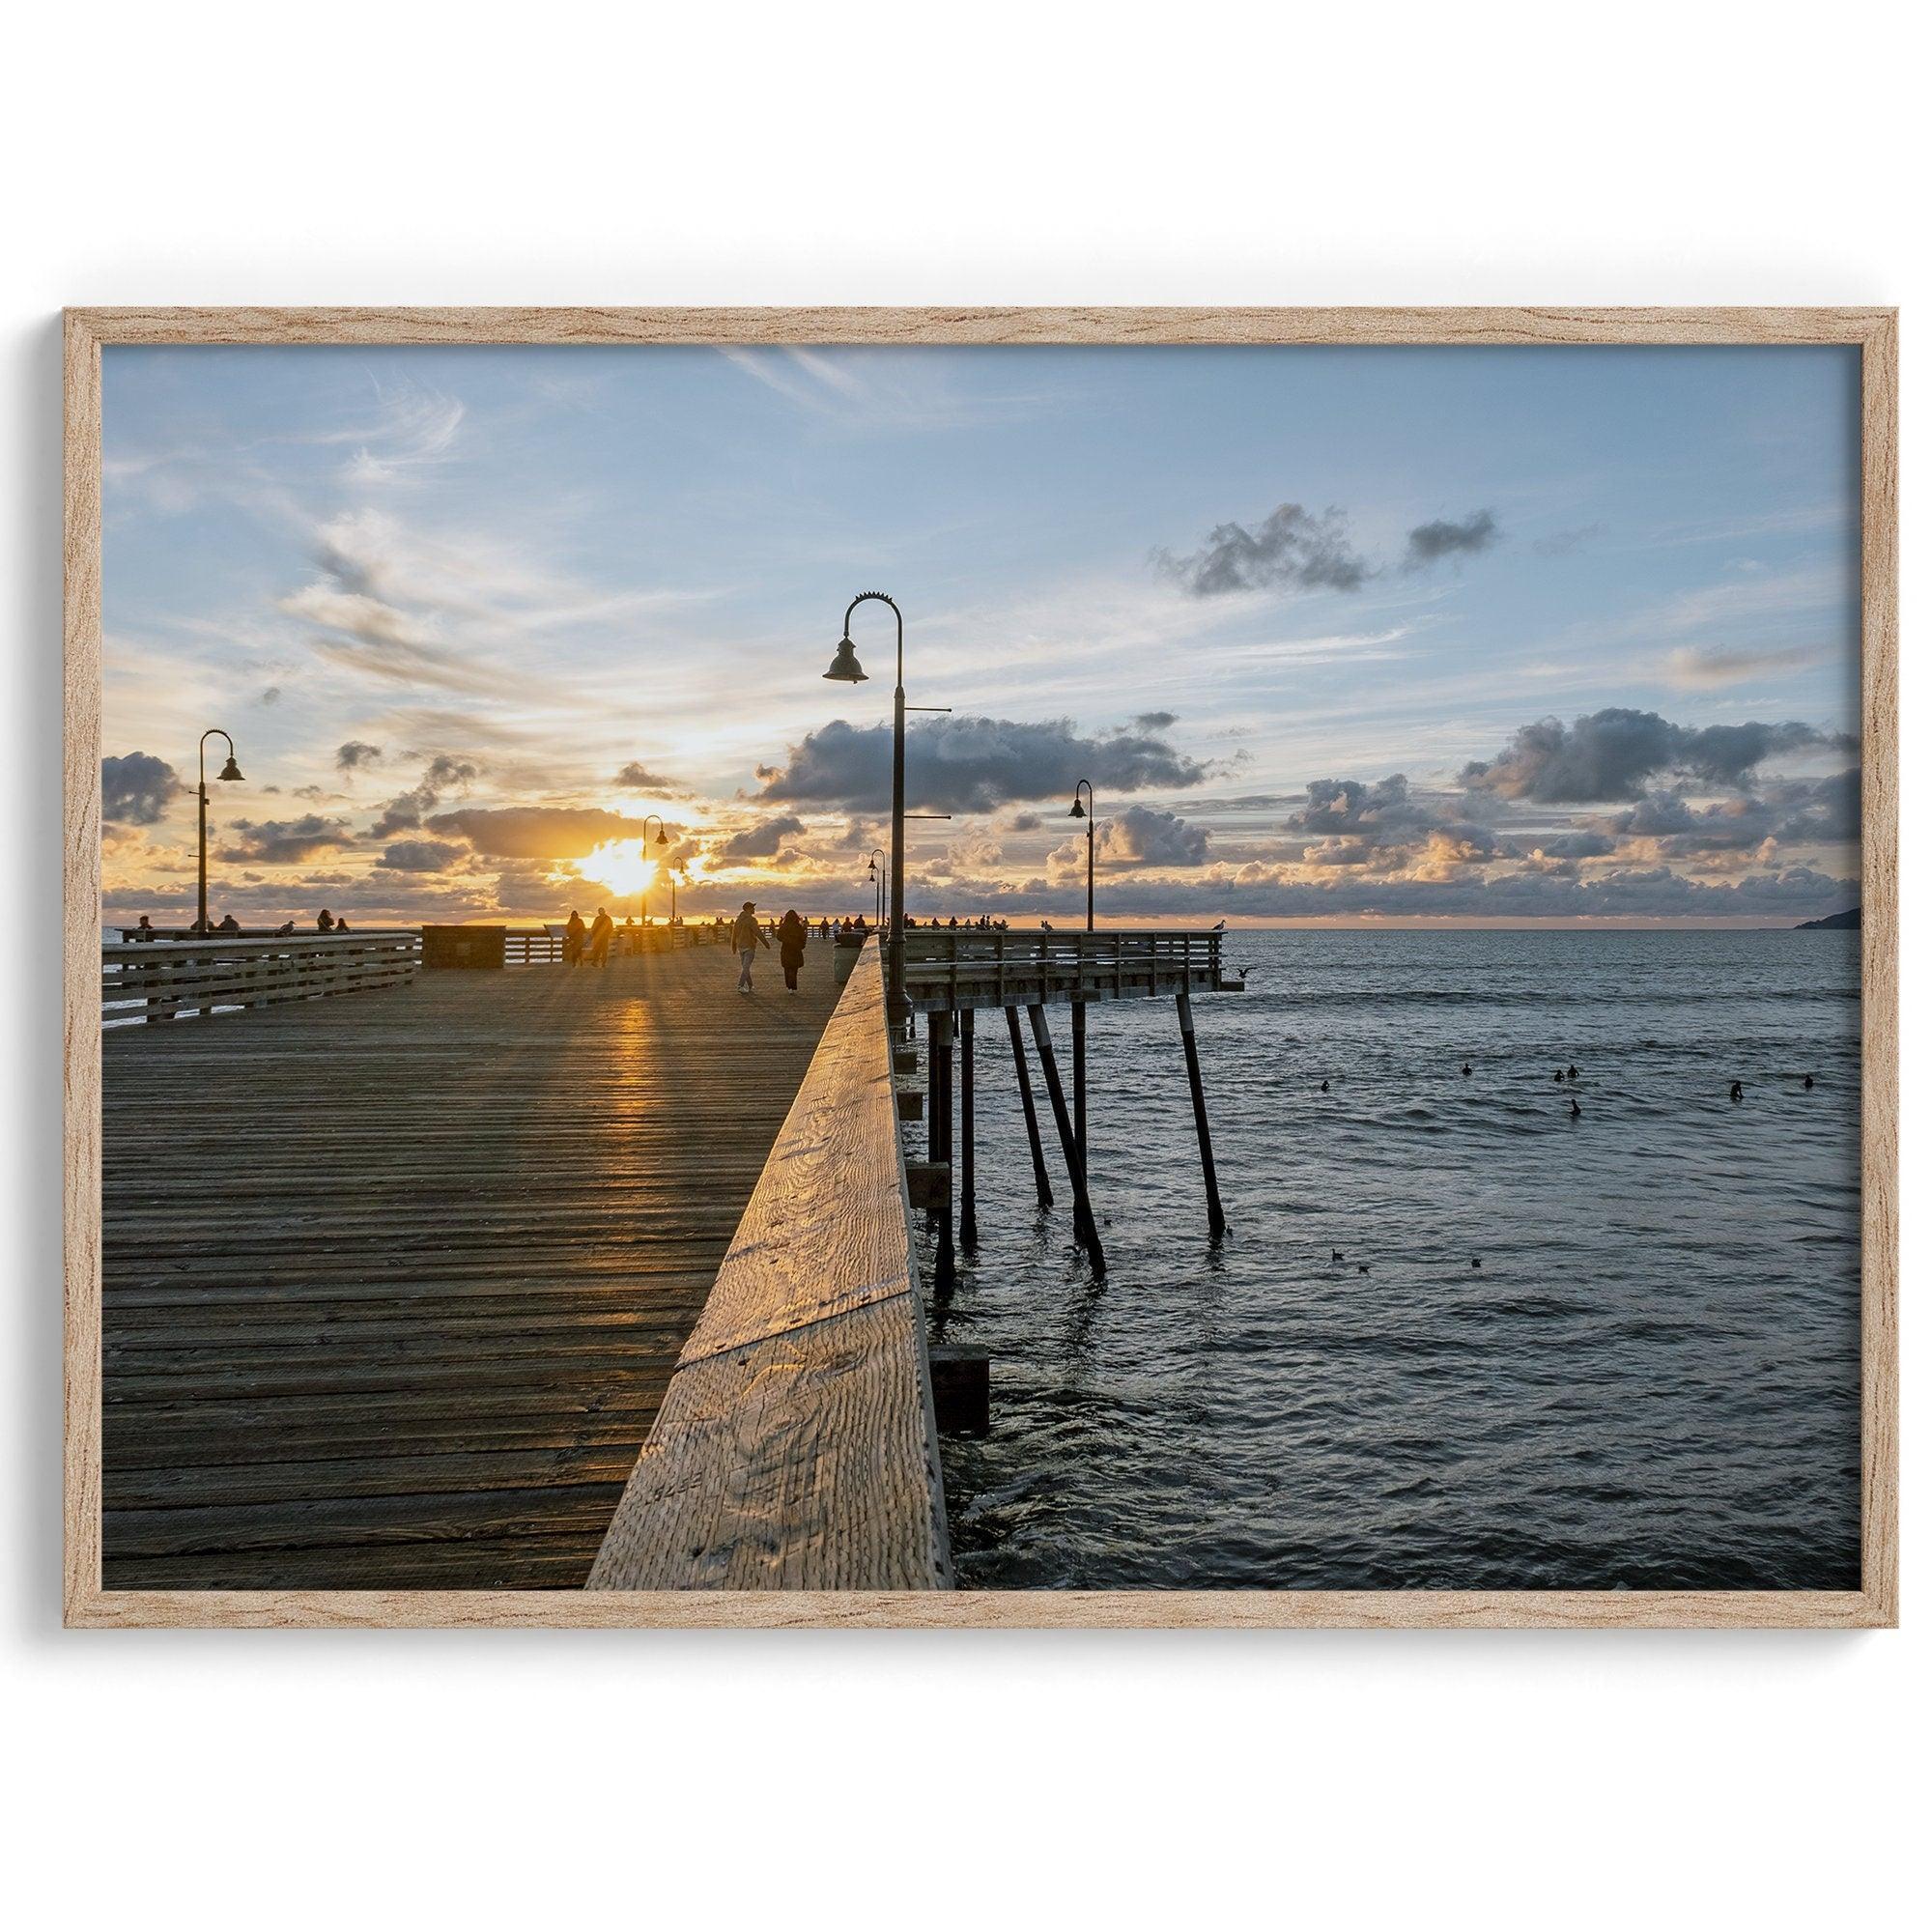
1348, 636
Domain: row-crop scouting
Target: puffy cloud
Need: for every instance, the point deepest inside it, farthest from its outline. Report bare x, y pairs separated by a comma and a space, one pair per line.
1157, 720
536, 831
406, 810
136, 788
272, 696
971, 764
1430, 543
285, 841
757, 841
635, 778
1290, 549
422, 855
355, 754
1141, 836
1609, 755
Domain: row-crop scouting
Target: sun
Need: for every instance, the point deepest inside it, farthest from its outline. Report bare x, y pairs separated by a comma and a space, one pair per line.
620, 866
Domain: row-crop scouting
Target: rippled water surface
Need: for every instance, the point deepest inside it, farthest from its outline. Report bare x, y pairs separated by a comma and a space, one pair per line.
1651, 1381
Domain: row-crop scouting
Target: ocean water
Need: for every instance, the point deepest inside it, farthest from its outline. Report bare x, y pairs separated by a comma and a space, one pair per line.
1651, 1381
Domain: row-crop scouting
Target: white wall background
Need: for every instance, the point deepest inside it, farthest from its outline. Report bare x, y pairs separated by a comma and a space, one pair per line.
840, 153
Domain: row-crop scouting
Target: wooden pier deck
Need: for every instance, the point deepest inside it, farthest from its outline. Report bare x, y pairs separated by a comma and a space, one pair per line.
394, 1282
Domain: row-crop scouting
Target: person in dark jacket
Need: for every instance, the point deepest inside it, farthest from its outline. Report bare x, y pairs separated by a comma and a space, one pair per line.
791, 949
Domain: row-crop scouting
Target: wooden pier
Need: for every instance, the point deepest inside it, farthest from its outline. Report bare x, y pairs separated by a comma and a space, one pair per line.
395, 1280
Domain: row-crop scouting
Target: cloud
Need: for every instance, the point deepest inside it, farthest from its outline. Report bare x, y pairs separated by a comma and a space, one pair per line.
971, 764
1024, 821
1142, 836
136, 788
285, 841
355, 754
536, 831
1290, 549
405, 811
1610, 755
635, 778
1712, 669
1157, 720
756, 841
1430, 543
422, 855
272, 696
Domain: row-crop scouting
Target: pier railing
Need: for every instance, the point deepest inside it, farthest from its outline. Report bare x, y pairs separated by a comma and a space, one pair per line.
947, 967
542, 946
795, 1448
171, 979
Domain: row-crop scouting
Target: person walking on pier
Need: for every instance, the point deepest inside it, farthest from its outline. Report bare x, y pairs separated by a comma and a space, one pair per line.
792, 933
601, 929
747, 936
573, 939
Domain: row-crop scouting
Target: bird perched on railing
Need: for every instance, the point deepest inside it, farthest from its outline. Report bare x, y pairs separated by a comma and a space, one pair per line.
1219, 925
1044, 927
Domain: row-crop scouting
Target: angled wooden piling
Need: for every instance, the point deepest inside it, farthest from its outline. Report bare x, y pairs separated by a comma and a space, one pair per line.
1084, 1229
1218, 1222
1042, 1184
969, 1211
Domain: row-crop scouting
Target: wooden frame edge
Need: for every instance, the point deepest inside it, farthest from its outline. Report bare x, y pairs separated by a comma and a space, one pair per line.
87, 1605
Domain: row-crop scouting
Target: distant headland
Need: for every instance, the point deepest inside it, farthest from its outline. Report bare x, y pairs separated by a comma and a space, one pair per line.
1837, 921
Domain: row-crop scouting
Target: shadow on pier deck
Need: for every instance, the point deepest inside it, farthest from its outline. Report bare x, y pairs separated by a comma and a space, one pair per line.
395, 1283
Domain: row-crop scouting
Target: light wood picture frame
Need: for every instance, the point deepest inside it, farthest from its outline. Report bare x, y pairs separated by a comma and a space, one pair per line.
1873, 332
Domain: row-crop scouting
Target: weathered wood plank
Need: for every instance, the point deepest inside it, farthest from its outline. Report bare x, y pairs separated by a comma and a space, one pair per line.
382, 1273
794, 1449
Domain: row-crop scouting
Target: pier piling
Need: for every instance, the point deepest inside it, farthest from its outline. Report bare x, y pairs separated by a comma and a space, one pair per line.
969, 1214
1218, 1222
1084, 1228
1078, 1016
940, 1040
1042, 1185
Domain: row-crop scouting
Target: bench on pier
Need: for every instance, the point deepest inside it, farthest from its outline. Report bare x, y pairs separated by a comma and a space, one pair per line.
795, 1448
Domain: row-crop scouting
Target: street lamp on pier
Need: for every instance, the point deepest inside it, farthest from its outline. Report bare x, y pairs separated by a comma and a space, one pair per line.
230, 772
878, 879
1087, 785
645, 891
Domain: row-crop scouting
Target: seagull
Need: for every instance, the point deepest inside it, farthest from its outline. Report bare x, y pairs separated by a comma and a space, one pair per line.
1336, 1254
1220, 925
1244, 971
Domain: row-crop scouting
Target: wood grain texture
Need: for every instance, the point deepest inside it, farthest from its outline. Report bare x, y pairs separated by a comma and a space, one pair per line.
795, 1448
394, 1280
1873, 330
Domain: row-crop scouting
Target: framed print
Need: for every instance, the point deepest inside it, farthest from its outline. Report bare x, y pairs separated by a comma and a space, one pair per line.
982, 967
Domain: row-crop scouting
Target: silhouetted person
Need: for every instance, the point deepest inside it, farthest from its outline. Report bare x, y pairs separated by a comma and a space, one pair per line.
1807, 1077
747, 936
601, 929
144, 929
1465, 1070
325, 920
573, 939
1737, 1090
1576, 1112
792, 935
1325, 1085
342, 926
1475, 1260
1557, 1076
229, 924
1570, 1074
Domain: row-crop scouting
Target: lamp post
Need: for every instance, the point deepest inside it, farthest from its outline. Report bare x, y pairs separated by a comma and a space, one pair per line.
644, 892
845, 670
878, 879
232, 773
676, 869
1087, 785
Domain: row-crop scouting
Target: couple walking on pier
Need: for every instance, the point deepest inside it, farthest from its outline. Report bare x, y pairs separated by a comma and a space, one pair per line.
748, 935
